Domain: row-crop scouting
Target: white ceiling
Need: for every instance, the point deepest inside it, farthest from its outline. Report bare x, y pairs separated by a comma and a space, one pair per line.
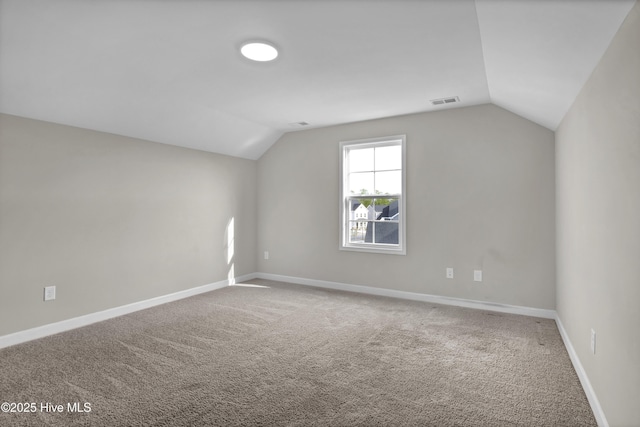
170, 70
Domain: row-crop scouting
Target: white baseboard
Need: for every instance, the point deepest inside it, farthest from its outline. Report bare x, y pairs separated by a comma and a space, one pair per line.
582, 375
482, 305
77, 322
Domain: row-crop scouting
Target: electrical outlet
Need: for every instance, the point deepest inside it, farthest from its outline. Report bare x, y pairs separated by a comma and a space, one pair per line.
593, 341
449, 272
477, 275
49, 293
266, 254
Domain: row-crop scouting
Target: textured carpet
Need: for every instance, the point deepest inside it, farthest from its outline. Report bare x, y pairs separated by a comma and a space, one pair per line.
271, 354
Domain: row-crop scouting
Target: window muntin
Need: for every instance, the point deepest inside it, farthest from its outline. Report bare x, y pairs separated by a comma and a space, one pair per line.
372, 195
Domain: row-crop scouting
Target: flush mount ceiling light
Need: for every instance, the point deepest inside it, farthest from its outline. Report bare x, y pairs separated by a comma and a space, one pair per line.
259, 51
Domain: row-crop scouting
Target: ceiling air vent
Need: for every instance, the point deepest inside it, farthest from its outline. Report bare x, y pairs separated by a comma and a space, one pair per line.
299, 124
442, 101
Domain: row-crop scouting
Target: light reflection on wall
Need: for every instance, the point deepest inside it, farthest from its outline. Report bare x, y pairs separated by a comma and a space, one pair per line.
230, 247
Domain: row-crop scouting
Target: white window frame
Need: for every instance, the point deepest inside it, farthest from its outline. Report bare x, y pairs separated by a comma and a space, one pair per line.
382, 248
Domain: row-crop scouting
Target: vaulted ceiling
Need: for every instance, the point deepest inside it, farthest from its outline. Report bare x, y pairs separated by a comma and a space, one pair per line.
170, 71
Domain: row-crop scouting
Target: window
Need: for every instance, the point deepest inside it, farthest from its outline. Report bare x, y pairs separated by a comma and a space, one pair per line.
372, 195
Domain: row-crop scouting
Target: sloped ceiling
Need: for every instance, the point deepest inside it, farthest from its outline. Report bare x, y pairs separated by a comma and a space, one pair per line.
170, 71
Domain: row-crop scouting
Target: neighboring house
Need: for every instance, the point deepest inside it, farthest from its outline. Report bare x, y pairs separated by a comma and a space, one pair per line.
385, 232
359, 211
374, 213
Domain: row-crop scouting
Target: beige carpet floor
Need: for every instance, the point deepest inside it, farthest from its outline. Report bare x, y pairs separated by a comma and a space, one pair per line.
275, 354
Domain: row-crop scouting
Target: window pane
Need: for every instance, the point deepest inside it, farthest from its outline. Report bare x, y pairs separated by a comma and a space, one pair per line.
358, 231
387, 209
361, 183
388, 182
388, 157
361, 159
386, 232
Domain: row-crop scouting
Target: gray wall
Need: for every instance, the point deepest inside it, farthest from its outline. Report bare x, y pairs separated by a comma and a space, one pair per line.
112, 220
480, 195
598, 225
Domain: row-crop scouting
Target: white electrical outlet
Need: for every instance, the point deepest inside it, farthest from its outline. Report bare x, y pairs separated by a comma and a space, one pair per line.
593, 341
266, 254
477, 275
49, 293
449, 272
